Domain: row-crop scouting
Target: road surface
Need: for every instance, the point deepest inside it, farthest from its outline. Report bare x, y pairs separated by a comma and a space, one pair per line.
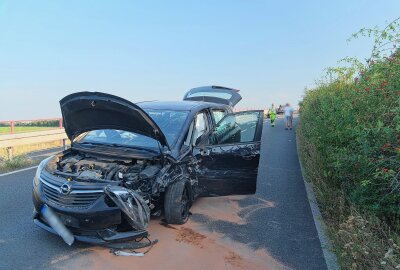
272, 230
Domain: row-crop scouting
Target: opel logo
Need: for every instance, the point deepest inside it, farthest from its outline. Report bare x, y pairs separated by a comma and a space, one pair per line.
65, 189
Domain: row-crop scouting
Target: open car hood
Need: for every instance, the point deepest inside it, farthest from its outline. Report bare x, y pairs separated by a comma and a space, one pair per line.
86, 111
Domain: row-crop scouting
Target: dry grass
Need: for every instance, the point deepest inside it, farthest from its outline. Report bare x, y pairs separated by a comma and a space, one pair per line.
21, 160
18, 162
24, 149
365, 242
360, 240
21, 129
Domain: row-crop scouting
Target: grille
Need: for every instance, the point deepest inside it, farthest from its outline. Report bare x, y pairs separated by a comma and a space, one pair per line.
77, 197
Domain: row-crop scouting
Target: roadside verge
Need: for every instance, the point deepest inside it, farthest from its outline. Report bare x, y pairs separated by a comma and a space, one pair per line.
326, 245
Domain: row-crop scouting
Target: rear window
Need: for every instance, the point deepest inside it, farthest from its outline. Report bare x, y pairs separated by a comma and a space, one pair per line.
211, 94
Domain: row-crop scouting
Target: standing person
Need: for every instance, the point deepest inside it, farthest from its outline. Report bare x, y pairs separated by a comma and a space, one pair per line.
288, 116
272, 114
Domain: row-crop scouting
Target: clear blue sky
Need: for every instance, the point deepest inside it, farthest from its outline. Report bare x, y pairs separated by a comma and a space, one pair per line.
146, 50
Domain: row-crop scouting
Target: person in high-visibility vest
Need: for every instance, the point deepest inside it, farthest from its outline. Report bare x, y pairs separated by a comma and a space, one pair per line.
272, 115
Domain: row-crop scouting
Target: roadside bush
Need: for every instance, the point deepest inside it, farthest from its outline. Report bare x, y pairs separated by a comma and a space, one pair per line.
41, 123
349, 139
15, 163
356, 128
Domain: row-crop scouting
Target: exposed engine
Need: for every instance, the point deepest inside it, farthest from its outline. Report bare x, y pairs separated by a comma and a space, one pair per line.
137, 175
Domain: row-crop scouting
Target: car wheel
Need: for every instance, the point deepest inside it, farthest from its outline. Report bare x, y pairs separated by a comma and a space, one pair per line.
177, 203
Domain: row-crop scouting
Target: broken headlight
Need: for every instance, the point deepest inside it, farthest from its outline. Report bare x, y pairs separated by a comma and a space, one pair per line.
131, 204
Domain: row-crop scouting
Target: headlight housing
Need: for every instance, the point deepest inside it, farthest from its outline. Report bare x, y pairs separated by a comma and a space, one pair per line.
39, 171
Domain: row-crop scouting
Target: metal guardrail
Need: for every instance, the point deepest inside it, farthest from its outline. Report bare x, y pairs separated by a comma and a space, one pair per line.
9, 141
15, 123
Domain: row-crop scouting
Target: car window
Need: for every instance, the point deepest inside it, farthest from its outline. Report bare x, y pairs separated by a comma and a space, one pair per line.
189, 135
218, 115
201, 126
117, 137
211, 94
236, 128
169, 121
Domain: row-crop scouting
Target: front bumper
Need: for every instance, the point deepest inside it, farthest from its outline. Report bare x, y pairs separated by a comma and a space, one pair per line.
100, 237
98, 223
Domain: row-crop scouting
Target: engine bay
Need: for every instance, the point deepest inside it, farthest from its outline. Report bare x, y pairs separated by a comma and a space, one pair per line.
134, 174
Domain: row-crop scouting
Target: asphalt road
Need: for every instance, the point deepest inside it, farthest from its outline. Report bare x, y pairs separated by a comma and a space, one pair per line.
286, 231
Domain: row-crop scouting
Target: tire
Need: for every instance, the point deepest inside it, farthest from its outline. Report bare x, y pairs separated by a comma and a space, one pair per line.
177, 202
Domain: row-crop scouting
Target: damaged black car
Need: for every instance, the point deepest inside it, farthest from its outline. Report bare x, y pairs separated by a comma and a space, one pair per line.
130, 161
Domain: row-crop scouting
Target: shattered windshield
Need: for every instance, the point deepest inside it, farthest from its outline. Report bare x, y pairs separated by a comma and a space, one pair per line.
169, 121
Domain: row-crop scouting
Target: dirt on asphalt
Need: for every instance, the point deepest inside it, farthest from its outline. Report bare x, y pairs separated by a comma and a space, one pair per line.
189, 246
191, 237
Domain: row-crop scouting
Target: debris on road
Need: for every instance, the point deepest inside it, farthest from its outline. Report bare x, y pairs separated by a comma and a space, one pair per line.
124, 253
130, 248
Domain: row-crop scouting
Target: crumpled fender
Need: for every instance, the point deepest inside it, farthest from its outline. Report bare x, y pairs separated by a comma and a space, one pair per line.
132, 204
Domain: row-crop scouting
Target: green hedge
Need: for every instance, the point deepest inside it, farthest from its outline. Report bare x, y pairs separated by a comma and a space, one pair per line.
355, 128
33, 123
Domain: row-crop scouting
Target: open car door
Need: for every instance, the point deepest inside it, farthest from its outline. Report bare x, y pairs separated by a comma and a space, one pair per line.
228, 156
215, 94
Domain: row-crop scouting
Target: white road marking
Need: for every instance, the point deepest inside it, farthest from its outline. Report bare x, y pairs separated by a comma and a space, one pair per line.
17, 171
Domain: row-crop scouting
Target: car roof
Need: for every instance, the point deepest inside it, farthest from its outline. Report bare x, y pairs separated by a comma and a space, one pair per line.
179, 105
